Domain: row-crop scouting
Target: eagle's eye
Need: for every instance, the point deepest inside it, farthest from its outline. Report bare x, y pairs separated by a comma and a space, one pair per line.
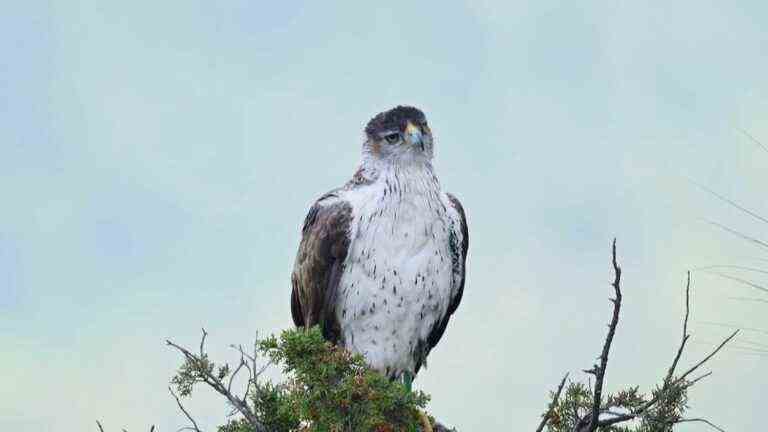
392, 138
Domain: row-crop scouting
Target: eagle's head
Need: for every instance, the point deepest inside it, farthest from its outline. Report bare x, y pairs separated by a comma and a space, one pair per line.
399, 136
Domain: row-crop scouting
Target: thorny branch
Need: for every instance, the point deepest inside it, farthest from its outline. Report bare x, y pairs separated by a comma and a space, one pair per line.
640, 409
668, 382
599, 371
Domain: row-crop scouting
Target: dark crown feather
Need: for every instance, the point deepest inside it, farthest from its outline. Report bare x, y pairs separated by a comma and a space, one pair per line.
394, 119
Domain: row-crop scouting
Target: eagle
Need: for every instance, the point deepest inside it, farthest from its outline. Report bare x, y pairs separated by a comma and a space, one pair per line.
382, 260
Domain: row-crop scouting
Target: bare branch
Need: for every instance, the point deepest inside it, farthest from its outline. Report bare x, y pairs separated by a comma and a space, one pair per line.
672, 368
243, 363
215, 383
98, 423
642, 409
242, 352
186, 413
701, 420
697, 379
706, 359
264, 367
234, 374
592, 421
599, 370
552, 406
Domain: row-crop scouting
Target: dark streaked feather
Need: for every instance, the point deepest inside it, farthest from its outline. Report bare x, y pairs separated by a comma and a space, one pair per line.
296, 312
462, 252
319, 266
459, 258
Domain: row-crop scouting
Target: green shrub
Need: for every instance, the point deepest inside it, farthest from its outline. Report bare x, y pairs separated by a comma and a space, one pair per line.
327, 389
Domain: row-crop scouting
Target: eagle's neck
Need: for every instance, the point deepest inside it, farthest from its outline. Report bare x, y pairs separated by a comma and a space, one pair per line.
399, 177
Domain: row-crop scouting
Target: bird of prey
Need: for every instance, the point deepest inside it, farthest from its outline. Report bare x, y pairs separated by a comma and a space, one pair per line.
381, 263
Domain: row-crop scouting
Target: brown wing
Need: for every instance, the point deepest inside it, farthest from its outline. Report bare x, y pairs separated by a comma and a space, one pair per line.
319, 265
459, 244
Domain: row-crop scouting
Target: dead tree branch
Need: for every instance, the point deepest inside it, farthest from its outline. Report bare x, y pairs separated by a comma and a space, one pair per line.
200, 364
556, 397
707, 358
599, 370
686, 336
585, 409
248, 362
705, 421
186, 413
669, 383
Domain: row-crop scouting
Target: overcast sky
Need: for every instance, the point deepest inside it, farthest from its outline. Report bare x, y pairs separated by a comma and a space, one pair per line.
158, 158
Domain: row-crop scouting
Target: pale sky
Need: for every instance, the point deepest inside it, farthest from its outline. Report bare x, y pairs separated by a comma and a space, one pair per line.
158, 158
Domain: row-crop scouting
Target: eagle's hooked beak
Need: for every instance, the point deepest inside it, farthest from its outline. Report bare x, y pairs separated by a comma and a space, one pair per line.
414, 135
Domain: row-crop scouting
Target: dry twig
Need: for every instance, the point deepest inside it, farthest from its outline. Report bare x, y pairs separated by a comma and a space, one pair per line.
239, 404
186, 413
548, 414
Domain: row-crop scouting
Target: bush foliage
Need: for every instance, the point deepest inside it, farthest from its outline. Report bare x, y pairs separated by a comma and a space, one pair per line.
327, 389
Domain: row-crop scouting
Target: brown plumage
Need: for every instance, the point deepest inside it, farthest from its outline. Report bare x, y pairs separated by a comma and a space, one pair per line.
319, 265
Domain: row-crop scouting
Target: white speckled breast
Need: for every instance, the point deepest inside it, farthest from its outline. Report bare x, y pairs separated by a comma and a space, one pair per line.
397, 278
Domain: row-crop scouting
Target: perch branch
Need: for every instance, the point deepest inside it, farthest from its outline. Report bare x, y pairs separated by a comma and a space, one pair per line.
548, 414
